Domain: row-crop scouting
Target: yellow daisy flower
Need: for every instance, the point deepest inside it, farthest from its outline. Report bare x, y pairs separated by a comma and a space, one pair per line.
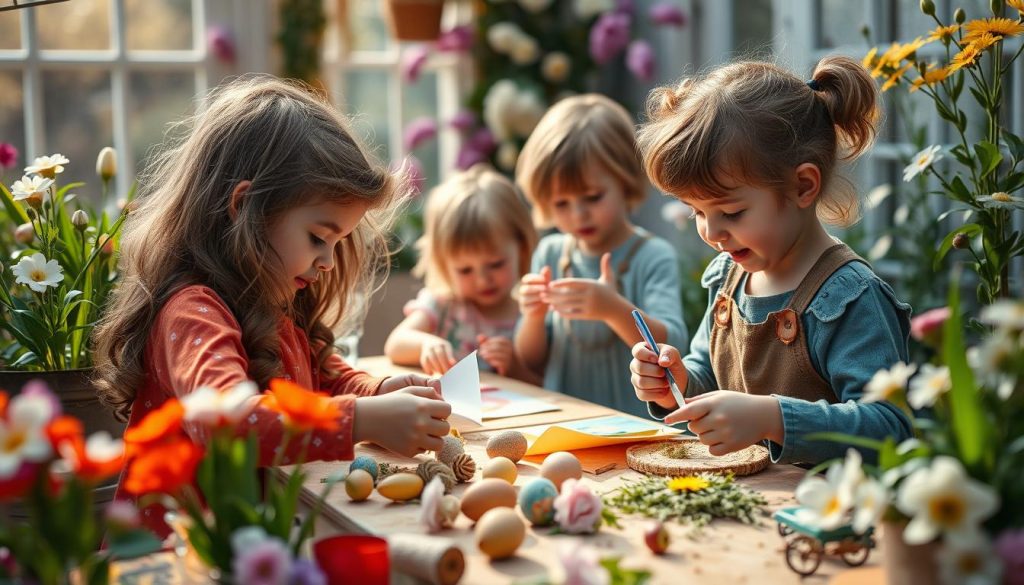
687, 484
985, 40
945, 32
1018, 4
931, 76
869, 60
895, 77
1003, 27
965, 58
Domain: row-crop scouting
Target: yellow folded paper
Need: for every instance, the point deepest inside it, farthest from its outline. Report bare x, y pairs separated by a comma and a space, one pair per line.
596, 432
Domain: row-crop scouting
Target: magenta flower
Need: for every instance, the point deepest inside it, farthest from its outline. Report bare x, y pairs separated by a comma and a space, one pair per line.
468, 156
463, 120
8, 155
221, 43
456, 40
667, 14
577, 509
927, 327
625, 6
483, 140
413, 60
417, 132
640, 60
264, 563
1010, 548
609, 36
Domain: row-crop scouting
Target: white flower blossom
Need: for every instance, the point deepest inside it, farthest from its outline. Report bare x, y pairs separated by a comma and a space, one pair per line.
886, 384
881, 248
1004, 313
501, 36
23, 432
876, 196
48, 166
969, 559
870, 500
922, 161
38, 273
29, 186
211, 407
508, 154
827, 501
930, 383
534, 6
942, 499
1001, 200
590, 8
524, 51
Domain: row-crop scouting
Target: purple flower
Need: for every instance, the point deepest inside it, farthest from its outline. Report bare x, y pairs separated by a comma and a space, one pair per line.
264, 563
483, 140
463, 120
667, 14
8, 155
221, 43
625, 6
456, 40
306, 572
640, 60
413, 60
1010, 548
609, 36
469, 156
417, 132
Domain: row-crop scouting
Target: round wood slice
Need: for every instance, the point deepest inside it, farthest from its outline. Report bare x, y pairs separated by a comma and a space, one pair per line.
686, 457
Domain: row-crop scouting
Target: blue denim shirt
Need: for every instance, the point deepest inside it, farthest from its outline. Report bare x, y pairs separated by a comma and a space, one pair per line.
854, 327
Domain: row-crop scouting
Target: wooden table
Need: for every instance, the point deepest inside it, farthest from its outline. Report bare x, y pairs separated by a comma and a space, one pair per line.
725, 552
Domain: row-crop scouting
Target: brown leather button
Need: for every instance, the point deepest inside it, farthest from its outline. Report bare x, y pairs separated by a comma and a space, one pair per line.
786, 326
723, 311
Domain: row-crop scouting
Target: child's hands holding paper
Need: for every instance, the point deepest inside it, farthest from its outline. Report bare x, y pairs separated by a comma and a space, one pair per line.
407, 421
728, 421
395, 383
648, 374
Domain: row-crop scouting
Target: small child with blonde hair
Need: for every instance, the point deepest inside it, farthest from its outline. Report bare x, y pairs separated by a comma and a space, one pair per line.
475, 247
581, 172
797, 324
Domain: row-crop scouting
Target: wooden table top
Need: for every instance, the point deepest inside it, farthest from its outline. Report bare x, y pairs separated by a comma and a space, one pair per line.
724, 552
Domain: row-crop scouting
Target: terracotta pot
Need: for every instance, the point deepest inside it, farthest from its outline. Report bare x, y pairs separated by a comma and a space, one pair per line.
908, 564
415, 20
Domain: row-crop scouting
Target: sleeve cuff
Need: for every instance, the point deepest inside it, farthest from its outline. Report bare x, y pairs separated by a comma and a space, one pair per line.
793, 428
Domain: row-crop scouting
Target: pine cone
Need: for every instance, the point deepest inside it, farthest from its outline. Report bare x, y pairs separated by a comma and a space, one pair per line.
452, 448
431, 469
464, 467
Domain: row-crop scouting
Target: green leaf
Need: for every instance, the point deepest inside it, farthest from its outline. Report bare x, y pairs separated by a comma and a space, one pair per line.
970, 230
961, 154
1012, 182
1015, 145
13, 209
969, 425
988, 155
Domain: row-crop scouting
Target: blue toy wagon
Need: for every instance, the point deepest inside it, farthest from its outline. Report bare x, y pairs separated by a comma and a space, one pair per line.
805, 545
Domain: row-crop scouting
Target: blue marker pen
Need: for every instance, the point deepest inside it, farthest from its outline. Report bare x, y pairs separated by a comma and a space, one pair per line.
646, 333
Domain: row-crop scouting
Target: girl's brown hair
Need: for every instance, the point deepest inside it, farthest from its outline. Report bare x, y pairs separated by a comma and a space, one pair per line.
575, 134
475, 210
754, 122
297, 150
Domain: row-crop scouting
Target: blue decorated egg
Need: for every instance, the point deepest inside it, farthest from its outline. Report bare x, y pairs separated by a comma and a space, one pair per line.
367, 464
537, 501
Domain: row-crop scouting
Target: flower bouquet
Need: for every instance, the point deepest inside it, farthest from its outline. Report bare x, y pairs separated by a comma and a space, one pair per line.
236, 525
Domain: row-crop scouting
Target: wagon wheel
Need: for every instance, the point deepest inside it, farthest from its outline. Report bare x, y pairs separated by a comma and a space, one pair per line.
856, 555
803, 555
784, 530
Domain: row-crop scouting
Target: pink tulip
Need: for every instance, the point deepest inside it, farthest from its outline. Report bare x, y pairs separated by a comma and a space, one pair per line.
8, 156
609, 36
417, 132
667, 14
413, 60
640, 60
927, 326
221, 43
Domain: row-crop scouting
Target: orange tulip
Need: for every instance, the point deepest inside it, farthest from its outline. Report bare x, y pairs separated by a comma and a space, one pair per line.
155, 427
163, 468
92, 461
303, 410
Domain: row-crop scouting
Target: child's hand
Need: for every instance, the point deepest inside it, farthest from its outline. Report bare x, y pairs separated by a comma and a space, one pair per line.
498, 352
649, 378
396, 383
728, 421
437, 356
407, 421
532, 290
584, 298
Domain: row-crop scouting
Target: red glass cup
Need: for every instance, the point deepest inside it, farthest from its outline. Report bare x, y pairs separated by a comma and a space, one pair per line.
353, 559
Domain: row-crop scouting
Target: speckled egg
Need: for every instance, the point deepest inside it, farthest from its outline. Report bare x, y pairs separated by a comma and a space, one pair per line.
367, 464
358, 485
501, 468
537, 501
500, 532
400, 487
511, 444
560, 466
487, 494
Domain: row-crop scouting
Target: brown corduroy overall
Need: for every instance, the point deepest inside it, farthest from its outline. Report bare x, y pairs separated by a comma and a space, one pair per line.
772, 357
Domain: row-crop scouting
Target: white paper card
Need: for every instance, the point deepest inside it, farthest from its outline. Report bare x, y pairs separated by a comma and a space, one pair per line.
460, 387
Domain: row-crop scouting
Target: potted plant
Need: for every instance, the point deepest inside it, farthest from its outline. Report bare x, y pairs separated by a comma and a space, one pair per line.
53, 283
414, 20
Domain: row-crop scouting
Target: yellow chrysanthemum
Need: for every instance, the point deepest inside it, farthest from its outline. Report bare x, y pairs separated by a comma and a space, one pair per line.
1017, 4
945, 32
895, 77
931, 76
1003, 27
965, 58
869, 60
985, 40
687, 484
889, 62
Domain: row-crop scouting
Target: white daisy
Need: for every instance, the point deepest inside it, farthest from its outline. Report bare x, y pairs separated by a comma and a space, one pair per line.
827, 501
886, 384
969, 559
1001, 200
922, 161
589, 8
30, 186
48, 166
38, 273
869, 503
1004, 313
930, 383
213, 408
943, 499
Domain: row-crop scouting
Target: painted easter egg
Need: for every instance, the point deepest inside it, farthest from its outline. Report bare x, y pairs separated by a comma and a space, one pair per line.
511, 444
500, 532
400, 487
560, 466
367, 464
501, 468
537, 501
487, 494
358, 485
